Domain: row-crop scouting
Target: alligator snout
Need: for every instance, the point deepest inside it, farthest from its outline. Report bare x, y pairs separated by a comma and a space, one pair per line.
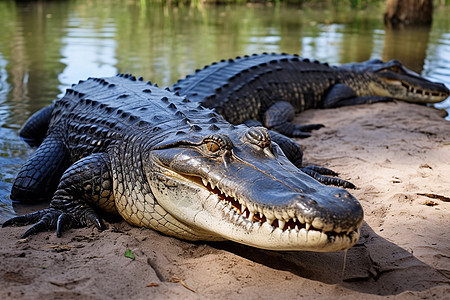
337, 210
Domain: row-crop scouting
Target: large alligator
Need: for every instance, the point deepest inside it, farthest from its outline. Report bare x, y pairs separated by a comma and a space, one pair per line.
163, 162
271, 88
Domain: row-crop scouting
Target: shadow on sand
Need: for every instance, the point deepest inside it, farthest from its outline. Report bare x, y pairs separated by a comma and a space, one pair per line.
374, 265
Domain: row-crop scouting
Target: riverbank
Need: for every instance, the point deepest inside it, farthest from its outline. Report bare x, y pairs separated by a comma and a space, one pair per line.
397, 154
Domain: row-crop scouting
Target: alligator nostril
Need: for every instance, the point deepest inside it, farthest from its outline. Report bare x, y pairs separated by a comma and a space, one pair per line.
343, 194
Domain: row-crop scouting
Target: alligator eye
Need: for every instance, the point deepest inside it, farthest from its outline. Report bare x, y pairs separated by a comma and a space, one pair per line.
395, 69
217, 143
212, 146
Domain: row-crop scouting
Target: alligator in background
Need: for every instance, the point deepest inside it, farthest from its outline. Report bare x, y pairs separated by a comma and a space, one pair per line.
163, 162
271, 88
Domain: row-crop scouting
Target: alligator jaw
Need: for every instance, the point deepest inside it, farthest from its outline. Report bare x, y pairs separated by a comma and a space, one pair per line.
235, 186
285, 226
401, 83
404, 90
262, 227
393, 80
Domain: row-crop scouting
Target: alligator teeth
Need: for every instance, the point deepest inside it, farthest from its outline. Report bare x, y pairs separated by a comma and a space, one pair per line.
246, 214
301, 219
205, 183
269, 215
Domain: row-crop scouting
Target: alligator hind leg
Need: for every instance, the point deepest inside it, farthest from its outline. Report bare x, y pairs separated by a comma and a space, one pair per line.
38, 178
35, 129
278, 117
84, 185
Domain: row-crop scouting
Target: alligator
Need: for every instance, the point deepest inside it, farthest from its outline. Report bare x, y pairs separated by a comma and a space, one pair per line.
126, 147
271, 88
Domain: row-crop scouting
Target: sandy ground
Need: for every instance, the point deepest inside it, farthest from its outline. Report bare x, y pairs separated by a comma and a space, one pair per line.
398, 155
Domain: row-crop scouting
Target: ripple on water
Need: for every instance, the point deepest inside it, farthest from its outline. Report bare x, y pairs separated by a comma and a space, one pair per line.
13, 153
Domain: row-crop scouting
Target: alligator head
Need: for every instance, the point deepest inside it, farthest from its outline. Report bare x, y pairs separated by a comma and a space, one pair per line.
393, 80
239, 186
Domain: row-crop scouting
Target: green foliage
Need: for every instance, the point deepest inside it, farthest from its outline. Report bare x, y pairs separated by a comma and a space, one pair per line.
129, 254
355, 3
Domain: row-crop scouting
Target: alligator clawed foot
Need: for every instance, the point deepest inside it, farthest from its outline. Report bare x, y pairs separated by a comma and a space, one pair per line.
296, 131
303, 129
323, 175
51, 218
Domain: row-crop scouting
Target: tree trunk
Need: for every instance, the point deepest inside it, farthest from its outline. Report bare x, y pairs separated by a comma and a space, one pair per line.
408, 12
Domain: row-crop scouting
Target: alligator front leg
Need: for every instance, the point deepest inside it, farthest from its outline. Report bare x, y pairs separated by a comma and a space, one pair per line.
324, 175
290, 148
343, 95
84, 185
294, 153
278, 118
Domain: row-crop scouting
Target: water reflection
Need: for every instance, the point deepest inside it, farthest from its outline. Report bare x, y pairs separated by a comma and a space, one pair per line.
408, 43
45, 46
92, 46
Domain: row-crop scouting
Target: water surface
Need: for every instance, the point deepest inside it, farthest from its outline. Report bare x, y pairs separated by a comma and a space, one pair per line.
47, 46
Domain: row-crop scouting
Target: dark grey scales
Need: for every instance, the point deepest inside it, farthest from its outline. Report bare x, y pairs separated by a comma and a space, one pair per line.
158, 160
271, 88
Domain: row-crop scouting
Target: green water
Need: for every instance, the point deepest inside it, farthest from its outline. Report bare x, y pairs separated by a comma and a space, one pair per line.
45, 46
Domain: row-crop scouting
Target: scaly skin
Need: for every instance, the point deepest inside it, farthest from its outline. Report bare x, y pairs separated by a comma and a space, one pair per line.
271, 88
163, 162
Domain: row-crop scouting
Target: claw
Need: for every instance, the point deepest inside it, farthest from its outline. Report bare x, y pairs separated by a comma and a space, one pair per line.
320, 170
309, 127
95, 220
47, 222
25, 219
36, 228
51, 218
300, 134
327, 179
64, 222
302, 131
338, 182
